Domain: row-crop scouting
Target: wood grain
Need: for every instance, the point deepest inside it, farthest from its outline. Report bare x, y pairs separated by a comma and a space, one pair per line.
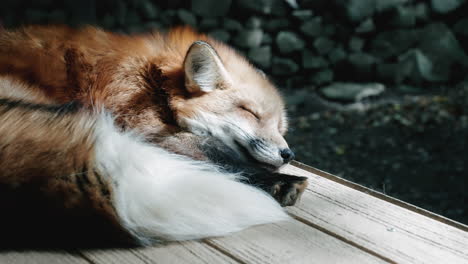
185, 252
290, 242
40, 257
383, 228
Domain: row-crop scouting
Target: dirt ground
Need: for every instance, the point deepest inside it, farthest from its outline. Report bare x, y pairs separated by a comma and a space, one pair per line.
409, 147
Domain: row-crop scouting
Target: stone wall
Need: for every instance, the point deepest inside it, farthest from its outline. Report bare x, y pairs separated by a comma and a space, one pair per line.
404, 44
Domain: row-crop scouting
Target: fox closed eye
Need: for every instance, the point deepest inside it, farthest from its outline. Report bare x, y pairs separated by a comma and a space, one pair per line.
250, 111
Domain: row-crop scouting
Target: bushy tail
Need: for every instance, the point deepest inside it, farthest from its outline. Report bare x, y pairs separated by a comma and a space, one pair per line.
165, 196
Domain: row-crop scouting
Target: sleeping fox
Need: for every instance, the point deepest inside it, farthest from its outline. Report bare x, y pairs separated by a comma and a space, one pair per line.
145, 138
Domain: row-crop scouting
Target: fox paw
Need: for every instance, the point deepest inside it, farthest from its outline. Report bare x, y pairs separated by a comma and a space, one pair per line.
289, 189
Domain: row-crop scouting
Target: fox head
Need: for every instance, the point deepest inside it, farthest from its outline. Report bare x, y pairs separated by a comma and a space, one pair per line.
232, 101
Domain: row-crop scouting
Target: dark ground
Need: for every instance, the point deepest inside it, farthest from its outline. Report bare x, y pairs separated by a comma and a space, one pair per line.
411, 147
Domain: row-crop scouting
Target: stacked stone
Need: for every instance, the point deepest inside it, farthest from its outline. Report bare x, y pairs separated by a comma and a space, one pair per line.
300, 43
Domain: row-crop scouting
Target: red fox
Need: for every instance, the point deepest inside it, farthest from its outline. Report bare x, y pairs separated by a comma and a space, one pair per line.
92, 121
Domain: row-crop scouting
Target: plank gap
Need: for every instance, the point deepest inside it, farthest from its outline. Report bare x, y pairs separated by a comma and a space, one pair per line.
347, 241
222, 251
141, 256
82, 255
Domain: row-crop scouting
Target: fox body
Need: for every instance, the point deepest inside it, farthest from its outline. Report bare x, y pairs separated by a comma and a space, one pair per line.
94, 123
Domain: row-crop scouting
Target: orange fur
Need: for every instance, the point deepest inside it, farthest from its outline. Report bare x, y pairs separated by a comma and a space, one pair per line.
120, 72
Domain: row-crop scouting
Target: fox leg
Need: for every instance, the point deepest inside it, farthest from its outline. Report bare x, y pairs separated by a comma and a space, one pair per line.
81, 160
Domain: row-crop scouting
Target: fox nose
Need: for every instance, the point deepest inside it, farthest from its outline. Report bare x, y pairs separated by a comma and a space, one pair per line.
287, 155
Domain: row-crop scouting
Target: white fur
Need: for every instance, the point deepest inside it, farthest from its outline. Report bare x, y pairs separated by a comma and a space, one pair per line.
166, 196
231, 128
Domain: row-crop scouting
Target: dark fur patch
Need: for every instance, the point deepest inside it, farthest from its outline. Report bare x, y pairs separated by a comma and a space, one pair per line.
71, 107
196, 66
79, 71
155, 80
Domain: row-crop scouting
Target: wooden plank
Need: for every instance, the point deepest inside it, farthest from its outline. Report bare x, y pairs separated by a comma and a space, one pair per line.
381, 196
185, 252
40, 257
289, 242
107, 256
381, 227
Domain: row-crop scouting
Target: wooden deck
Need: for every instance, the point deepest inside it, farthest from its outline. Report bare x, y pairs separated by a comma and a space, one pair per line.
336, 221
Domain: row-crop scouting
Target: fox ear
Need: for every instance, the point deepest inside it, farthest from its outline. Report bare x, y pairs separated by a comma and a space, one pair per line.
204, 70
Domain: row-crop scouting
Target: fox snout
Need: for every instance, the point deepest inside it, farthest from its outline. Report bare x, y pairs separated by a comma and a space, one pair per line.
267, 152
287, 155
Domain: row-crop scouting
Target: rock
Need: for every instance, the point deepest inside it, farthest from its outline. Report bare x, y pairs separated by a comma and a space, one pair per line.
274, 7
250, 38
282, 66
288, 42
292, 3
267, 39
148, 10
303, 15
461, 27
445, 6
322, 77
275, 25
356, 44
382, 5
351, 92
417, 67
220, 34
336, 55
253, 22
296, 97
323, 45
261, 56
209, 23
403, 16
395, 42
311, 61
232, 25
422, 12
210, 8
278, 8
357, 10
443, 49
366, 26
362, 63
313, 27
187, 17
